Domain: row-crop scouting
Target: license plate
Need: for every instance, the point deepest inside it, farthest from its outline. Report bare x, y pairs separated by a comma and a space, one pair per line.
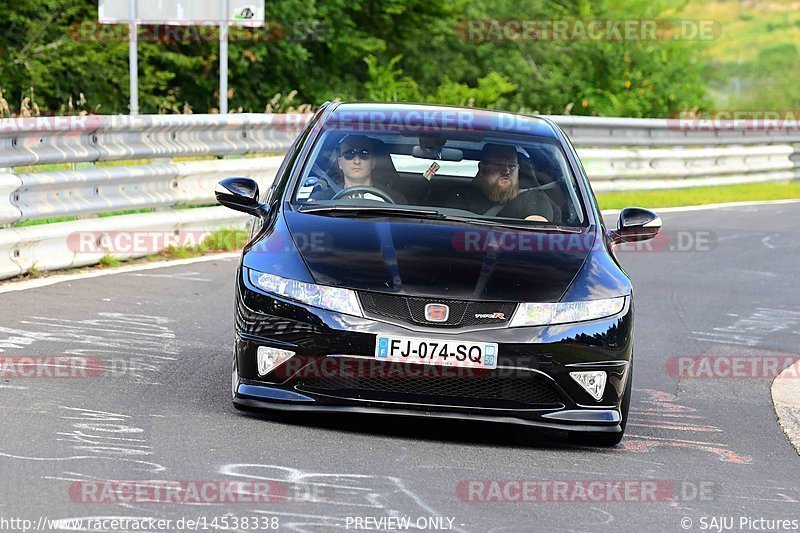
436, 352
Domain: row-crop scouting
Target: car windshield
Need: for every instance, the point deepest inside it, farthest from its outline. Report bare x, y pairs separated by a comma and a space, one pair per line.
483, 178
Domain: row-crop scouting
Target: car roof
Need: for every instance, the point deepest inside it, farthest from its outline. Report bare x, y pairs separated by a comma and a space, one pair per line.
422, 119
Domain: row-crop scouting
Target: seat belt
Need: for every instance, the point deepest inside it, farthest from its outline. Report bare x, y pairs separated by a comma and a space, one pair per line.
494, 210
321, 174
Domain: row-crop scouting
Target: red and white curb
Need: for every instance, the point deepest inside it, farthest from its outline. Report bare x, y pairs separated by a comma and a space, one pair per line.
786, 398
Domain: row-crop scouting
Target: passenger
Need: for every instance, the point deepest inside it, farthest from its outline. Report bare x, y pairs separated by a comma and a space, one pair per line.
495, 190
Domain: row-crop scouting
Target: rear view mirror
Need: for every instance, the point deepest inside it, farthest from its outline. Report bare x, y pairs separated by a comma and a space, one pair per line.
240, 194
438, 153
636, 224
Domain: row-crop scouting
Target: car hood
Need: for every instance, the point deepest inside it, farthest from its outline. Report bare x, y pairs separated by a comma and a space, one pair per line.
438, 259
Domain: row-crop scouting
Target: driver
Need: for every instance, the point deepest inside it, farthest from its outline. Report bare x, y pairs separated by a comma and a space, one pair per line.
357, 156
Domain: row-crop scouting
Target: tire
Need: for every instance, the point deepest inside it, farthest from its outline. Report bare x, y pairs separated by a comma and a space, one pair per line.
609, 439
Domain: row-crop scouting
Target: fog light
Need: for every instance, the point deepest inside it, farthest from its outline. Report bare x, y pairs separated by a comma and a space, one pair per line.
593, 382
271, 358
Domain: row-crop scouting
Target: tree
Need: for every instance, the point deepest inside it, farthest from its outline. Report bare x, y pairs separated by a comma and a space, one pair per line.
395, 50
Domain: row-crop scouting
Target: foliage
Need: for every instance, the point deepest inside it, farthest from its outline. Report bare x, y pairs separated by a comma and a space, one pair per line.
753, 85
490, 93
752, 63
110, 261
314, 50
386, 83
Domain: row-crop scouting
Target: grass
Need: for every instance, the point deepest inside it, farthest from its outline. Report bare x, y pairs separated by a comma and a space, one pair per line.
109, 261
34, 272
751, 62
58, 167
69, 219
42, 221
701, 195
746, 27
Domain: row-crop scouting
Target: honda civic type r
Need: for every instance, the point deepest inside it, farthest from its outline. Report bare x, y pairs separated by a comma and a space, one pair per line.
439, 262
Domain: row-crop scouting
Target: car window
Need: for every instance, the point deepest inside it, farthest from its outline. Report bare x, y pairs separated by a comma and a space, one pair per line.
490, 177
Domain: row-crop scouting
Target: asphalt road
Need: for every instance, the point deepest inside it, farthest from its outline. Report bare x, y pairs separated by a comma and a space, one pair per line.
160, 408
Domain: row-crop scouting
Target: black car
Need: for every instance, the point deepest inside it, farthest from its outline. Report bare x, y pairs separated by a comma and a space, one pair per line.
437, 262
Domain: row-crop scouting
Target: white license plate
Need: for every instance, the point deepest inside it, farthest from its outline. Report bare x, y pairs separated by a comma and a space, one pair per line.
436, 352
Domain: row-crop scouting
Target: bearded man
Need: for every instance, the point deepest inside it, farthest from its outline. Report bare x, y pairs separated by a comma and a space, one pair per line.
495, 192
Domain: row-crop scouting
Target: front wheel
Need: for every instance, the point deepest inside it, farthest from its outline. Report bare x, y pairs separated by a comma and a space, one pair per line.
610, 439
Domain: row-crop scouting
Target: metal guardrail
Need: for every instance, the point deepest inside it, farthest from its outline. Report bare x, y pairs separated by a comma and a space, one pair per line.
120, 163
627, 132
150, 175
642, 154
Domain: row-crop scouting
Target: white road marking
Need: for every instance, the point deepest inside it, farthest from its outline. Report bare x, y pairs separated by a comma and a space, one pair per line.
349, 492
707, 206
61, 278
188, 276
785, 243
755, 273
753, 329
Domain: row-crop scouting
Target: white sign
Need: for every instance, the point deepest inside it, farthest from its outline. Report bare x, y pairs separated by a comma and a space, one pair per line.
183, 12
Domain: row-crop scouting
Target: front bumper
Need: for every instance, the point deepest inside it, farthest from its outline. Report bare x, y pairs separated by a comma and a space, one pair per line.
531, 385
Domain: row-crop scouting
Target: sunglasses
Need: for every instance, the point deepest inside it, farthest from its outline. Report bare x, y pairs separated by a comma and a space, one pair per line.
352, 153
497, 167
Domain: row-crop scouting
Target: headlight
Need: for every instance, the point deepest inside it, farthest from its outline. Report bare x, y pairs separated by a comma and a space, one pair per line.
331, 298
565, 312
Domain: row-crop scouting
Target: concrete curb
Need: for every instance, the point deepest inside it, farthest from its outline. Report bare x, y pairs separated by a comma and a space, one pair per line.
12, 286
786, 398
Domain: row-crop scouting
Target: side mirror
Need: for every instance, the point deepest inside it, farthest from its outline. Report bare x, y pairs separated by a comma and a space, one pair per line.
636, 224
240, 194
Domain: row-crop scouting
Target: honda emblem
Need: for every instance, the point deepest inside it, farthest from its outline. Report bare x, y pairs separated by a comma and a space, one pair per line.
436, 312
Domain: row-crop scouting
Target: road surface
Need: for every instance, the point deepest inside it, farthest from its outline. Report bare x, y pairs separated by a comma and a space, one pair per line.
160, 408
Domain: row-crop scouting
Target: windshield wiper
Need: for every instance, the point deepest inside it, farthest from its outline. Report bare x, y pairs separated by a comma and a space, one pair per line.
369, 210
509, 225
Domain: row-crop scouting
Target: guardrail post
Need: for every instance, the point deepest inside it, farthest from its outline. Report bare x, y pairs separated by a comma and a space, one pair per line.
9, 184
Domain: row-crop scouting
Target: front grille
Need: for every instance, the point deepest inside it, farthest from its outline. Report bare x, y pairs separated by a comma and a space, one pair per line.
528, 392
412, 310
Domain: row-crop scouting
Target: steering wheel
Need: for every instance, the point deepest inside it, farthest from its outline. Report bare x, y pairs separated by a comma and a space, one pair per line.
360, 190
